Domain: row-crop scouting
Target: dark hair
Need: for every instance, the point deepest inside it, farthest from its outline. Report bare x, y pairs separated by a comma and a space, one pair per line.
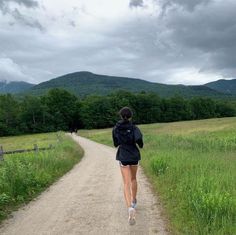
126, 113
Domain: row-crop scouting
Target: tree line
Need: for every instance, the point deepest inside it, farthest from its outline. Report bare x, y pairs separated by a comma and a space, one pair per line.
61, 110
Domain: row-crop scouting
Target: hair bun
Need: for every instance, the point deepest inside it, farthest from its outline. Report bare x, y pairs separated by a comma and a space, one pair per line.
126, 113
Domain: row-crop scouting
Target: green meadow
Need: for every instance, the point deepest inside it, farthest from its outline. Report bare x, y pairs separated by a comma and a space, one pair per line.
192, 166
24, 175
28, 141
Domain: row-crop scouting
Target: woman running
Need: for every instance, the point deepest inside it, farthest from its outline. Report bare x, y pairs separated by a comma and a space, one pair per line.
126, 135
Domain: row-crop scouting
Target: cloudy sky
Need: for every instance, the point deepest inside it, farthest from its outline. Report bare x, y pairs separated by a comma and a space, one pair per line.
166, 41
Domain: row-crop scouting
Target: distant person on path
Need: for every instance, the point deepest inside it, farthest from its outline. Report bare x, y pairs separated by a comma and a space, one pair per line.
71, 130
126, 135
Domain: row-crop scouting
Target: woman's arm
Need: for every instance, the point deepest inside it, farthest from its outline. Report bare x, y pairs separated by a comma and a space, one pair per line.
138, 137
115, 140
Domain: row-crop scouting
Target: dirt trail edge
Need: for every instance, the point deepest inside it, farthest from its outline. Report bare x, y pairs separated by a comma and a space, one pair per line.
88, 200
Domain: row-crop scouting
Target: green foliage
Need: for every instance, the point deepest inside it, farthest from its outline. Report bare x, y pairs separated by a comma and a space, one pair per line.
158, 166
176, 109
147, 107
32, 115
4, 199
9, 115
212, 207
61, 110
225, 109
203, 108
97, 111
23, 176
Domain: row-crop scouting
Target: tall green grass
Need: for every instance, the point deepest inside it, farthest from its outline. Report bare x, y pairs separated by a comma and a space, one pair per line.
23, 176
192, 165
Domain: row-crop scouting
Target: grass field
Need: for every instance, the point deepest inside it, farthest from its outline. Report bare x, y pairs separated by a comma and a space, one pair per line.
192, 166
28, 141
24, 175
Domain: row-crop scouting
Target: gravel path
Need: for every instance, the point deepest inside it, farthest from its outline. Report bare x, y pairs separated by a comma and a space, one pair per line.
88, 200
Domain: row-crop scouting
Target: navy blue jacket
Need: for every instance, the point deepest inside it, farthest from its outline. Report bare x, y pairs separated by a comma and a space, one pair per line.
127, 152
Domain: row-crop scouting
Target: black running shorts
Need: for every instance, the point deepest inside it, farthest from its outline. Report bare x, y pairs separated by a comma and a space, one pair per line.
133, 163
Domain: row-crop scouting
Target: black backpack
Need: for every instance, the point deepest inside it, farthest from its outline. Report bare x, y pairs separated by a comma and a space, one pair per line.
125, 135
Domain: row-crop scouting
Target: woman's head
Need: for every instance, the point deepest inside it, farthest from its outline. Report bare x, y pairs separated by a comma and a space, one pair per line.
126, 113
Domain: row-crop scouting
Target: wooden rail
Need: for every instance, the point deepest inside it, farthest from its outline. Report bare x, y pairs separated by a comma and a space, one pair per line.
36, 149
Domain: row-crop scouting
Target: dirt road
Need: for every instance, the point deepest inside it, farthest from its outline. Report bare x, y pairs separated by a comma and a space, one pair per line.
88, 200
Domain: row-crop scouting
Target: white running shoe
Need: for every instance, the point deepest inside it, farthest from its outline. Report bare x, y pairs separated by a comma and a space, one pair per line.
134, 203
131, 216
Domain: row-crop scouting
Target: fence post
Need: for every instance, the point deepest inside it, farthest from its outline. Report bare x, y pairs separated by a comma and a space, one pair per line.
36, 149
1, 153
59, 138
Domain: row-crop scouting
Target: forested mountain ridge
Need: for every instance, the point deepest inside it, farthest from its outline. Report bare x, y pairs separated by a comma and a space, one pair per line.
14, 87
87, 83
225, 86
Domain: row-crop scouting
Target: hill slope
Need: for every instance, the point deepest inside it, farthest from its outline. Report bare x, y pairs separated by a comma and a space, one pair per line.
14, 87
225, 86
86, 83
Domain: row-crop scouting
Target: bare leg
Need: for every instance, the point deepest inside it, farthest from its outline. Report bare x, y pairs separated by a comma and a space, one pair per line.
133, 171
125, 171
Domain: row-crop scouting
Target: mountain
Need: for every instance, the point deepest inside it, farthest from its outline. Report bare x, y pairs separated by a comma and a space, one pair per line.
87, 83
225, 86
14, 87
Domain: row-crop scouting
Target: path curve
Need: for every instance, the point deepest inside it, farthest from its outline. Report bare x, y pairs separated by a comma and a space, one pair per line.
88, 200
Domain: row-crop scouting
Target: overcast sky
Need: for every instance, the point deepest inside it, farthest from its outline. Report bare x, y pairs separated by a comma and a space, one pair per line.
166, 41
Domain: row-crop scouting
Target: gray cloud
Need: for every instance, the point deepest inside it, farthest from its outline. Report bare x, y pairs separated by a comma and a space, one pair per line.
187, 4
26, 3
194, 36
183, 37
20, 18
11, 71
72, 23
16, 14
136, 3
209, 31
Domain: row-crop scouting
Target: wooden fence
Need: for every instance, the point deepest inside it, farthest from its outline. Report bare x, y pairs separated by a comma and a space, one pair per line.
35, 149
